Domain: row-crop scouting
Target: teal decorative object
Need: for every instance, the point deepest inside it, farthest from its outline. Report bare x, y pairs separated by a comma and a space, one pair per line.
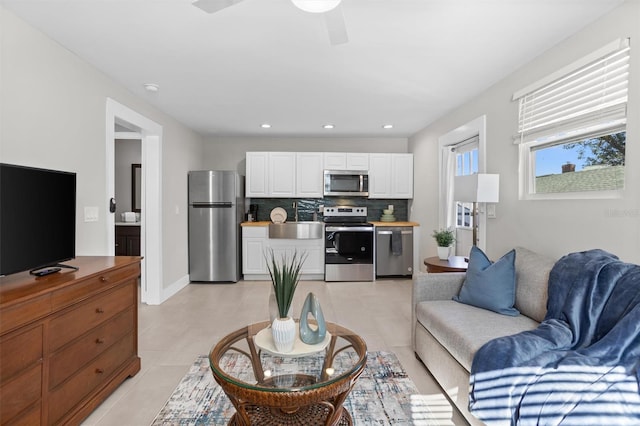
308, 335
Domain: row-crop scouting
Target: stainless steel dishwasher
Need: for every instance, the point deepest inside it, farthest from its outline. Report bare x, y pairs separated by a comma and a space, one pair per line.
394, 251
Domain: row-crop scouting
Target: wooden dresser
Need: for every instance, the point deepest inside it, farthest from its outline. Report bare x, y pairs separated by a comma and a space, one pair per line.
67, 340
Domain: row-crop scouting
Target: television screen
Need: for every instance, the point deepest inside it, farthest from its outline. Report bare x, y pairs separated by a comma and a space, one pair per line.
37, 217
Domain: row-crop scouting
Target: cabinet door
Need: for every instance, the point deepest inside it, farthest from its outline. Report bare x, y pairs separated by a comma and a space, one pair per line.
309, 174
357, 161
379, 175
282, 174
335, 161
402, 176
257, 176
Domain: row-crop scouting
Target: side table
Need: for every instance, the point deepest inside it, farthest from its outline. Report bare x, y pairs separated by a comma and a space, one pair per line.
453, 264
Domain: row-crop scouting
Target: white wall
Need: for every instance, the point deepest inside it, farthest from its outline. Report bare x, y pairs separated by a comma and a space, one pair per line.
228, 153
53, 108
555, 227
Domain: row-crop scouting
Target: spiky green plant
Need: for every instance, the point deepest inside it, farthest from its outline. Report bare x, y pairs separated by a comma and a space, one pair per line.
284, 278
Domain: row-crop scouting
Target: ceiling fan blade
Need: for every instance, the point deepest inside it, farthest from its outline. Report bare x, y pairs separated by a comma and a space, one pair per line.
212, 6
337, 29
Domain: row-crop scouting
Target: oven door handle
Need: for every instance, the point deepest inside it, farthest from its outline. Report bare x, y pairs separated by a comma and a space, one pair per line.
349, 228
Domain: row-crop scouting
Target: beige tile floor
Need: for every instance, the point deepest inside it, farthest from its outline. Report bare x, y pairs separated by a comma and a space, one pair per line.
173, 334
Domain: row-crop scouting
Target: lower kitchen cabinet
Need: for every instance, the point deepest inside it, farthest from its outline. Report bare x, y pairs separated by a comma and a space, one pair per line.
256, 243
67, 340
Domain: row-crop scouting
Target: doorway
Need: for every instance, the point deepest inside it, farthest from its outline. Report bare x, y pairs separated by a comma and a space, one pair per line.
150, 134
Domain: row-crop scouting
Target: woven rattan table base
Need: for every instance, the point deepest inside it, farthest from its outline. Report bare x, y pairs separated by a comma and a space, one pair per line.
314, 415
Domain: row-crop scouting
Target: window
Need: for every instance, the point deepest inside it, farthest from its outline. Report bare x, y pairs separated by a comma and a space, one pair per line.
572, 128
466, 164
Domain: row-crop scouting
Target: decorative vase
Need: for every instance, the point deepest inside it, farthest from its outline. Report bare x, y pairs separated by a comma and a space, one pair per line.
284, 334
311, 306
443, 253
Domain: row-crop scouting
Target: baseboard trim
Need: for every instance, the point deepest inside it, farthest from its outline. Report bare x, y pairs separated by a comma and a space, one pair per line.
174, 288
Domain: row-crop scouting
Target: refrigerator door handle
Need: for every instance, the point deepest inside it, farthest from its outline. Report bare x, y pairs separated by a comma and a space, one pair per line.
214, 205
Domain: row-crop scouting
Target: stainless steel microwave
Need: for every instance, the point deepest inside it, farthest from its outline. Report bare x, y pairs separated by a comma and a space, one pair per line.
345, 183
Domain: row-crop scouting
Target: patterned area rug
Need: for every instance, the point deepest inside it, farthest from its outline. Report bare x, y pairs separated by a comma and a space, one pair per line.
383, 395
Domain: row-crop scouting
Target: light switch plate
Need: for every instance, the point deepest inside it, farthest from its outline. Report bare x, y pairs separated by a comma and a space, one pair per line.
90, 214
491, 211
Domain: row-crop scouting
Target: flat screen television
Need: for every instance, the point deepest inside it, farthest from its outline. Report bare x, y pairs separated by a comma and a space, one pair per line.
37, 219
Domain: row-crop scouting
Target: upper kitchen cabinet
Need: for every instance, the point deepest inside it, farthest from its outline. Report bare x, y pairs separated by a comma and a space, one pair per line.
309, 174
391, 176
284, 175
346, 161
257, 178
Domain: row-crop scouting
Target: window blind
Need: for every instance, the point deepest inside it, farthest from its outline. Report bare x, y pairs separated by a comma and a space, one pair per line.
591, 98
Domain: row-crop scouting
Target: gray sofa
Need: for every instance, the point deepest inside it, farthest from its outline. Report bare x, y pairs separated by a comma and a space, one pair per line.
446, 334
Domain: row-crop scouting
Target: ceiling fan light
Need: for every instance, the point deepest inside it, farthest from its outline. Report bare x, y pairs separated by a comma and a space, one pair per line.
316, 6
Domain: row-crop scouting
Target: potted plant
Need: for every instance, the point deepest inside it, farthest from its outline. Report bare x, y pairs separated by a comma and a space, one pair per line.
444, 239
285, 274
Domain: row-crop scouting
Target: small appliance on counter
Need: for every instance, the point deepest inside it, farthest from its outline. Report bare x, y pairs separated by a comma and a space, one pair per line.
252, 216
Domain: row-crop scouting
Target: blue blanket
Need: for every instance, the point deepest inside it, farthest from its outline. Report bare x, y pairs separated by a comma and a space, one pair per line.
580, 366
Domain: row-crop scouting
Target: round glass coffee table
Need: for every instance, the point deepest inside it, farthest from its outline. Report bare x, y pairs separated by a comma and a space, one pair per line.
305, 387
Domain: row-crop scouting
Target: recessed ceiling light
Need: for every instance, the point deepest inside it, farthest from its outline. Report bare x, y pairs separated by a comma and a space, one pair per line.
151, 87
265, 125
328, 126
387, 126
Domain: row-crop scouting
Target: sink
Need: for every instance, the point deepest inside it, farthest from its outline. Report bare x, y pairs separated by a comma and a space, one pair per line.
297, 230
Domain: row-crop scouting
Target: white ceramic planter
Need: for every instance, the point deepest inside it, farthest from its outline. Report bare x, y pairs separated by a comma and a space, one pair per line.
284, 334
443, 253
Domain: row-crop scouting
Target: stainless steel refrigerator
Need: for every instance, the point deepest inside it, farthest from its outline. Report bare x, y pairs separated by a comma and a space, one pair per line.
216, 208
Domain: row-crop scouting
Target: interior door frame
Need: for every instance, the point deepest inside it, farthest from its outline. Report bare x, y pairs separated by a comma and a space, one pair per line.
474, 127
151, 216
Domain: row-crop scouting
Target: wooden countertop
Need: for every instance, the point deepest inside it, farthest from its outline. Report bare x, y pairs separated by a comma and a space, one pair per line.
261, 223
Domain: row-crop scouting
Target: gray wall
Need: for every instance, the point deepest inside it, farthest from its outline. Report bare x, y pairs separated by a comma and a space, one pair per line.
53, 109
555, 227
228, 153
128, 152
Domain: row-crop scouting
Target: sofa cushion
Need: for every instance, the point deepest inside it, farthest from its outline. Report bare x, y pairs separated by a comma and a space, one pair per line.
463, 329
532, 281
490, 285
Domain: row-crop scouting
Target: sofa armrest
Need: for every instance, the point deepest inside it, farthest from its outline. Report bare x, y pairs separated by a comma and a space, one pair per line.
432, 286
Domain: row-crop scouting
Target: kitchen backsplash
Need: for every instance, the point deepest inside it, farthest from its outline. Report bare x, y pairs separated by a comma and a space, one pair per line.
306, 207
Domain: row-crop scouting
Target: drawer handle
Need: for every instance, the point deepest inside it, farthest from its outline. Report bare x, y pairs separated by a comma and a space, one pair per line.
99, 311
99, 371
99, 341
103, 279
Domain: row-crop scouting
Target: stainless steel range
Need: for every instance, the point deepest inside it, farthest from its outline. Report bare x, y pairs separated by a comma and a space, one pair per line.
348, 244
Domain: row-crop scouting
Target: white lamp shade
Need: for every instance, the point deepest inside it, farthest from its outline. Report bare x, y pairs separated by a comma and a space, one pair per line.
316, 6
480, 188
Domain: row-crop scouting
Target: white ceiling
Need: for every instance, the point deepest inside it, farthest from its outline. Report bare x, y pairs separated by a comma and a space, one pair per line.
407, 62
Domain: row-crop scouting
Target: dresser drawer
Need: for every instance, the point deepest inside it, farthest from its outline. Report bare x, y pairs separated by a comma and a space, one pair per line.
90, 286
89, 314
75, 355
19, 393
88, 378
20, 351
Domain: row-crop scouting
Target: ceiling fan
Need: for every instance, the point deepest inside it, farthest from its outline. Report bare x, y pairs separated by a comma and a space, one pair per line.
331, 10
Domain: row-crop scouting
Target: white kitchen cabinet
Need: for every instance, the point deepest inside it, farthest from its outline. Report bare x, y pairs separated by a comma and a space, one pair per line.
309, 175
257, 178
357, 161
402, 175
391, 176
282, 174
379, 175
256, 242
346, 161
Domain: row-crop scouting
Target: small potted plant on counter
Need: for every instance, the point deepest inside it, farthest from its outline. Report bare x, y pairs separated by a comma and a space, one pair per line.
444, 239
285, 274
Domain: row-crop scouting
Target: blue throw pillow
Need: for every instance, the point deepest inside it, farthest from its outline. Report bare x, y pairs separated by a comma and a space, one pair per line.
490, 285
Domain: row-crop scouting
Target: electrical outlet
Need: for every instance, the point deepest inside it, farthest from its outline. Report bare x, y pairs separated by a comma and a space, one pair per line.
491, 211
